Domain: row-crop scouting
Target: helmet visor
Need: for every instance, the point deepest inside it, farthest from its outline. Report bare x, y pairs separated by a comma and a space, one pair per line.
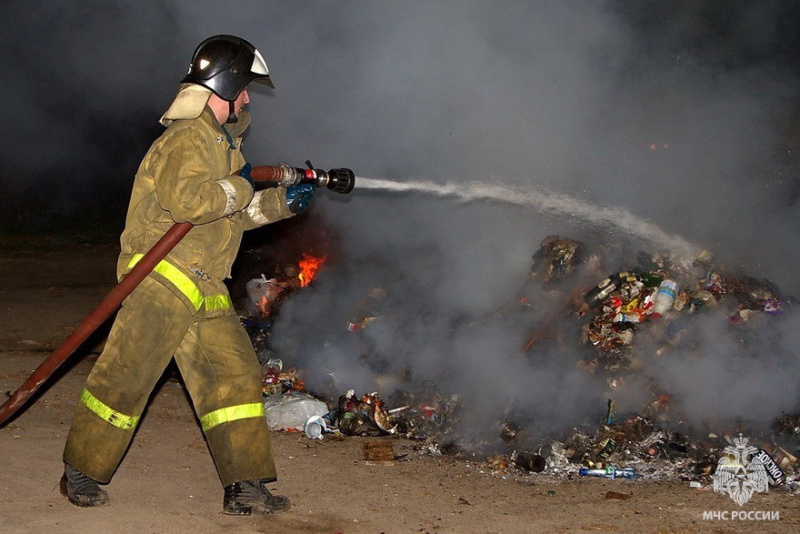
259, 67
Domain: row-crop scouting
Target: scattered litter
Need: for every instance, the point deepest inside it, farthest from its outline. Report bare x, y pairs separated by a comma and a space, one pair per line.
556, 259
379, 453
315, 427
291, 410
609, 472
530, 462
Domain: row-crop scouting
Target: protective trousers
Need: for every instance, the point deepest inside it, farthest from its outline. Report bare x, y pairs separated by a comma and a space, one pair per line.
218, 366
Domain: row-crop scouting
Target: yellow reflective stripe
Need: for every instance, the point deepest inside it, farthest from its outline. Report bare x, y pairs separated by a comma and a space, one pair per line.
184, 284
218, 302
232, 413
119, 420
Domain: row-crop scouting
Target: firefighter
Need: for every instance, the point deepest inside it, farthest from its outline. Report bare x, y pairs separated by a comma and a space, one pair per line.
193, 172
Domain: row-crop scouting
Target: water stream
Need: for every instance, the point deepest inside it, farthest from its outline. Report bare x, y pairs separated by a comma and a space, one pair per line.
616, 219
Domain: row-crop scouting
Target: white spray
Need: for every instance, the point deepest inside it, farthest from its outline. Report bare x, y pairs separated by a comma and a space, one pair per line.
617, 218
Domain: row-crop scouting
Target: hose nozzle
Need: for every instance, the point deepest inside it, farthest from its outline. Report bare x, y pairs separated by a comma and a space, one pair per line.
340, 180
337, 180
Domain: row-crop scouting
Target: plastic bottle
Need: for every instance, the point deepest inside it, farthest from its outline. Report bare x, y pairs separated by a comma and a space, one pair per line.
610, 414
665, 297
609, 472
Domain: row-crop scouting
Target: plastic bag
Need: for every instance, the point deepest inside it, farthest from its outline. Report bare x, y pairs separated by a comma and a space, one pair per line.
261, 295
292, 409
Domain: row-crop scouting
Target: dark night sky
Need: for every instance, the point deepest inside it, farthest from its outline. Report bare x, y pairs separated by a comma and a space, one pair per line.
558, 95
682, 113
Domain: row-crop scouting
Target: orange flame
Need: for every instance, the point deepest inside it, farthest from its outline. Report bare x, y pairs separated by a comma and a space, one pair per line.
309, 266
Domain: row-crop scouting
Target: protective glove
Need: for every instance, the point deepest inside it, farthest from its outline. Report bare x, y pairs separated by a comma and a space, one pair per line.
298, 197
244, 172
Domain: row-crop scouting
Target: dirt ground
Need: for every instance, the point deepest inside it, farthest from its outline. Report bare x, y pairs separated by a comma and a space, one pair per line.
167, 482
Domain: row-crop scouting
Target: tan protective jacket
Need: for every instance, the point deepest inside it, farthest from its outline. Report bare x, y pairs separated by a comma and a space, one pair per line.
190, 175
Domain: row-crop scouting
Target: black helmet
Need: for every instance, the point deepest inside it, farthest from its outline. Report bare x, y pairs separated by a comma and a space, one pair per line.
226, 64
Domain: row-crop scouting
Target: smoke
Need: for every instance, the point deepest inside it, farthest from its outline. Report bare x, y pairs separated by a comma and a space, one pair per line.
607, 105
749, 383
674, 116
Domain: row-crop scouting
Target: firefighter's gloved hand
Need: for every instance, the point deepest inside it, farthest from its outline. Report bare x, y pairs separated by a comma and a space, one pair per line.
298, 197
244, 172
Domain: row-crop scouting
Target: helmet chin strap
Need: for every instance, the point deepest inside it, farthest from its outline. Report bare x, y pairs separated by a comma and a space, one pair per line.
232, 118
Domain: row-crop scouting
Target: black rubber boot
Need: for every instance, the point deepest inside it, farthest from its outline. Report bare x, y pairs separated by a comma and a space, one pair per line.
80, 489
252, 497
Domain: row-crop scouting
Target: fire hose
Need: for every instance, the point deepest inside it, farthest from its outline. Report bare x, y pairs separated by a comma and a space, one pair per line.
337, 180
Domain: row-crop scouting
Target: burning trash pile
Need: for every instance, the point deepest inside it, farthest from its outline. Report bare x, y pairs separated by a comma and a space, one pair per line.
662, 296
288, 406
265, 296
354, 416
642, 313
645, 313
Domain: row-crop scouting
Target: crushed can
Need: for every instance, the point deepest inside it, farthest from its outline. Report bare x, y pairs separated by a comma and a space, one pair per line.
529, 461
